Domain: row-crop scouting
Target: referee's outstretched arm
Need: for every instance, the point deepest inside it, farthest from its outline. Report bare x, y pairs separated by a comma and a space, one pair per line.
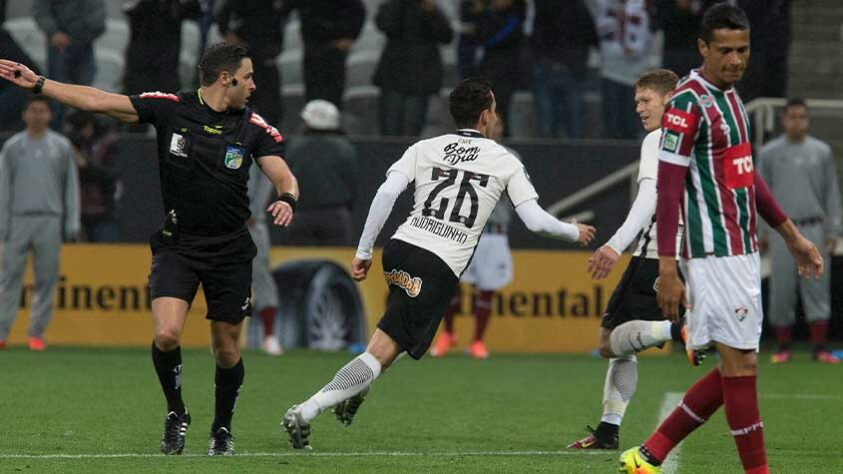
86, 98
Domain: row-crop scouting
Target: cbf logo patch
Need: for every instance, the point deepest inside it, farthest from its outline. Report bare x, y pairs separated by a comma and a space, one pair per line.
400, 278
234, 157
706, 101
741, 313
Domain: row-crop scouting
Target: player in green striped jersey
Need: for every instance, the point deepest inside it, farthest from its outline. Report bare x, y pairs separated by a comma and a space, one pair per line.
706, 169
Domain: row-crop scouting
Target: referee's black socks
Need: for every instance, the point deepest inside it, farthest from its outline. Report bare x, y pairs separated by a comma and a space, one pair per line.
228, 383
168, 367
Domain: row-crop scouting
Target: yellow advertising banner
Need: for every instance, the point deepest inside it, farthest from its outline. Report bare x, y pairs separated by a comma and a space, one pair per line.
103, 300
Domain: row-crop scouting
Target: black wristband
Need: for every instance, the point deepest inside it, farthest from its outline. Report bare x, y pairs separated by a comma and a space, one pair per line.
289, 198
39, 84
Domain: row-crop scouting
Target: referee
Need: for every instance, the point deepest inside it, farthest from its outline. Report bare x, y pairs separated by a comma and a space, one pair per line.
207, 140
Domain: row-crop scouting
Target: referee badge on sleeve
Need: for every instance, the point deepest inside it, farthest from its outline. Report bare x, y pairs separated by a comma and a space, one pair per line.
234, 157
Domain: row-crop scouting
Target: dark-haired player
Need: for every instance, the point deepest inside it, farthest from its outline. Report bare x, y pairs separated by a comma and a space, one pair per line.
706, 170
459, 178
207, 140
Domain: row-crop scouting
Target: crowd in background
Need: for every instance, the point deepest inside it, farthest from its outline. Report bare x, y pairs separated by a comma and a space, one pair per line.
538, 46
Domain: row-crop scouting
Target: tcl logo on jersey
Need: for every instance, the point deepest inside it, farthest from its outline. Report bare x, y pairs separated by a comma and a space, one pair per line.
678, 120
738, 171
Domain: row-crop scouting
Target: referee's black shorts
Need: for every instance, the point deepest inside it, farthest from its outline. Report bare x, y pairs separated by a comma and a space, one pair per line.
420, 289
635, 296
222, 264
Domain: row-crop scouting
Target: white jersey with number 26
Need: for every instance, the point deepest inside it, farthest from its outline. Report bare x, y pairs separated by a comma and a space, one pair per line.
459, 178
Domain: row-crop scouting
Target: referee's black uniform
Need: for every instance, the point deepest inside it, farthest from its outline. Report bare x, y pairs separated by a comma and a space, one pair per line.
204, 158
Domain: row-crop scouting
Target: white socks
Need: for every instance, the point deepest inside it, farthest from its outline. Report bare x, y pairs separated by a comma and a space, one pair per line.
351, 379
621, 380
635, 336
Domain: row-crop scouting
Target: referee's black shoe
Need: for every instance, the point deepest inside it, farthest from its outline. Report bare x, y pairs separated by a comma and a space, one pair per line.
221, 443
175, 429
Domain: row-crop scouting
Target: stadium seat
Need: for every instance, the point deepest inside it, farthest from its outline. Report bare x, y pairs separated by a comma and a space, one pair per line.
110, 67
370, 39
290, 66
361, 104
30, 38
360, 68
115, 38
292, 96
292, 36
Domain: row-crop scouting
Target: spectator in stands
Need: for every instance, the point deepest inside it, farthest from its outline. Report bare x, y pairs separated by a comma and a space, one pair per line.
152, 57
467, 43
500, 31
71, 27
624, 29
329, 29
560, 43
410, 68
39, 204
12, 98
325, 162
206, 22
94, 148
766, 73
260, 25
801, 173
680, 20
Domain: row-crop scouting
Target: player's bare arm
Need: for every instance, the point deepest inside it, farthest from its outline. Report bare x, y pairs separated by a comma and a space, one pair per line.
809, 262
671, 290
285, 183
86, 98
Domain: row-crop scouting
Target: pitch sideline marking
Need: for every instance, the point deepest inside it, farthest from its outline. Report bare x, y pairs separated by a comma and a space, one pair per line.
311, 454
671, 400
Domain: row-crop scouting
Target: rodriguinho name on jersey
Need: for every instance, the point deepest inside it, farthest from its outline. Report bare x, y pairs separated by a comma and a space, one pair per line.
439, 228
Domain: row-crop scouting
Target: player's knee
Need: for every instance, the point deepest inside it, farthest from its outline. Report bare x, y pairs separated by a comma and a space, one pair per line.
226, 356
167, 339
604, 348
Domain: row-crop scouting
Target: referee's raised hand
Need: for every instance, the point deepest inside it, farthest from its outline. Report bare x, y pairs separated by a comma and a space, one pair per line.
18, 74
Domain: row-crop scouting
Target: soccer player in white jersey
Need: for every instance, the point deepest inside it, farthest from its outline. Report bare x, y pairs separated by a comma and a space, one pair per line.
633, 321
490, 270
706, 169
459, 178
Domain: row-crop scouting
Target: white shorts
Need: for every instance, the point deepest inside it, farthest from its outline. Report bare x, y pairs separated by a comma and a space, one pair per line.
725, 298
491, 266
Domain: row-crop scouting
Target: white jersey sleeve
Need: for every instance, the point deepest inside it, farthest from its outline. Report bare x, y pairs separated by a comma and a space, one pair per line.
649, 165
406, 165
520, 189
649, 170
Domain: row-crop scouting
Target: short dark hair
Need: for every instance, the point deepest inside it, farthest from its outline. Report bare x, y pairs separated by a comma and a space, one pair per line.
795, 102
720, 16
218, 58
36, 98
468, 100
659, 80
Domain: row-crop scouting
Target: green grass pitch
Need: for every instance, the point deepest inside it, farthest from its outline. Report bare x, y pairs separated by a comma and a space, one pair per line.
101, 410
